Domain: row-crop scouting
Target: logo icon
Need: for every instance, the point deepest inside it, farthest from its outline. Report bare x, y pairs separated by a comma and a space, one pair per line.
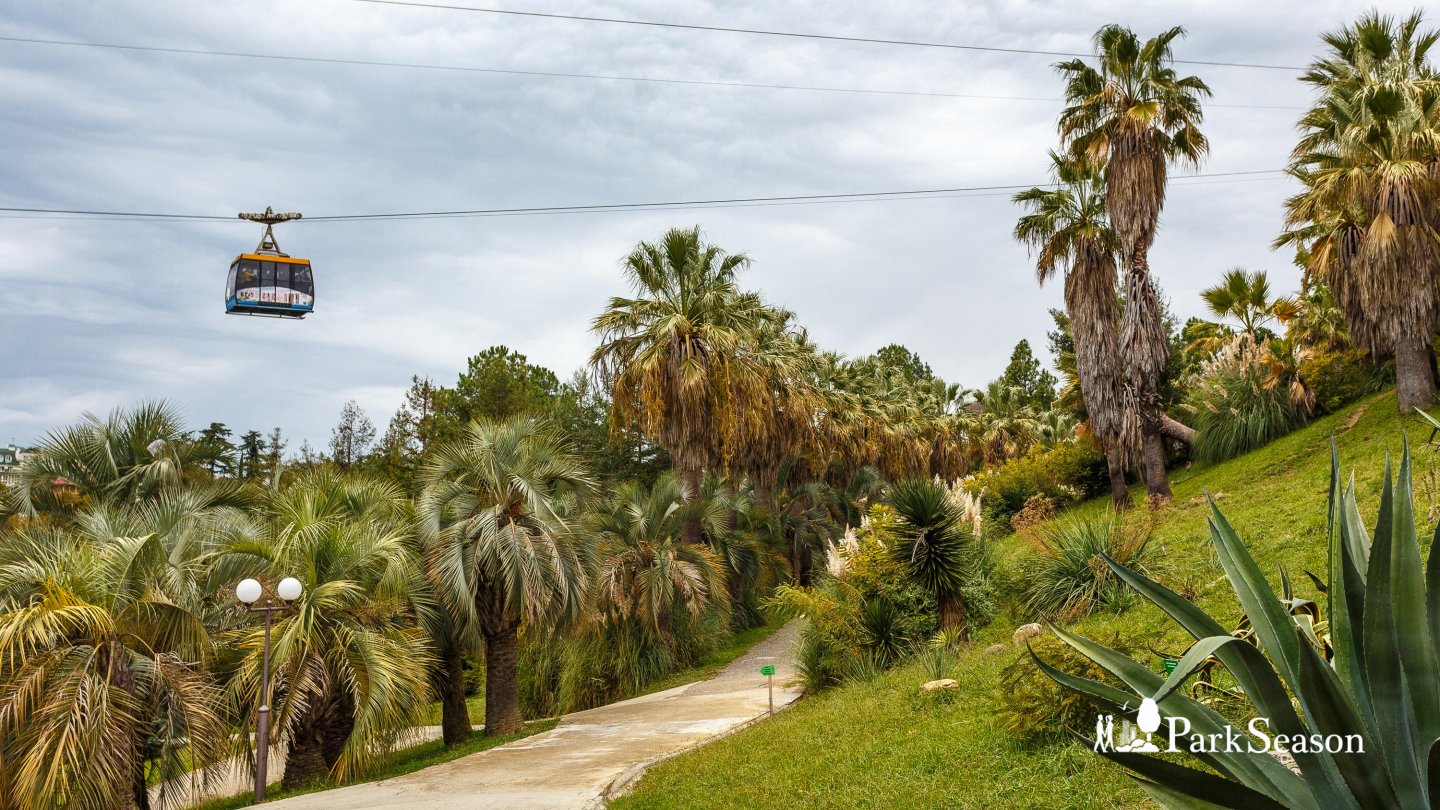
1148, 720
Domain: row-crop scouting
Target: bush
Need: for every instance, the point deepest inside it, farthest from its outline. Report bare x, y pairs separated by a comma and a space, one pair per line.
1238, 406
1035, 709
1340, 377
1068, 578
867, 613
1065, 474
598, 663
1038, 509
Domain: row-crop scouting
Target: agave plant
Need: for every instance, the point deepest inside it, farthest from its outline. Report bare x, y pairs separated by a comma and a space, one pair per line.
1379, 696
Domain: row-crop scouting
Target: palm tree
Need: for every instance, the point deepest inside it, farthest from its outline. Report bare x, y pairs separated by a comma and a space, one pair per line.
503, 543
127, 457
1136, 116
350, 662
1067, 229
1244, 297
647, 574
933, 545
103, 682
1367, 219
677, 354
1002, 424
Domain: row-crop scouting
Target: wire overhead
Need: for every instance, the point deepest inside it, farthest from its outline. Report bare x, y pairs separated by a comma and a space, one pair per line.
560, 74
793, 34
798, 199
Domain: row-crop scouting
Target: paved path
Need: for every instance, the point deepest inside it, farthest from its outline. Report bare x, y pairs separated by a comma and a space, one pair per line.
572, 765
238, 776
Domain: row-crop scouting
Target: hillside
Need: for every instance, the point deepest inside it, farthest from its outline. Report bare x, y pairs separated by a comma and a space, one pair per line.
884, 744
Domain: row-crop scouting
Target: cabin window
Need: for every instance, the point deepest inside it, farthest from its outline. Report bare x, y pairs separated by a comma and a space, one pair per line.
300, 280
267, 282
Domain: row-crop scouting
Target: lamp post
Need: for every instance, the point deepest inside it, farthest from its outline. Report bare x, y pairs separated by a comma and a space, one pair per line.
249, 591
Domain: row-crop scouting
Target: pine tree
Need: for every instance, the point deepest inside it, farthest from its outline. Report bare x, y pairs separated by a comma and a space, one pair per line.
352, 437
1024, 372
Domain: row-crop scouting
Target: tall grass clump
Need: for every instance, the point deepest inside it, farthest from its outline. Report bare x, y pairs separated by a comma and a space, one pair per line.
1068, 578
1243, 398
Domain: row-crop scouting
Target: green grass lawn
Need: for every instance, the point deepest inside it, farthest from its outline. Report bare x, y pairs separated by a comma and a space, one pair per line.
884, 745
475, 704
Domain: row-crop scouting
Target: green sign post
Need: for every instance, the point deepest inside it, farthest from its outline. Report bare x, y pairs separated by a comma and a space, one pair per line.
768, 670
1170, 664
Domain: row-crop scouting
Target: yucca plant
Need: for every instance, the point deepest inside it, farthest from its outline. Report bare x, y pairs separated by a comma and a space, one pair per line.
1380, 696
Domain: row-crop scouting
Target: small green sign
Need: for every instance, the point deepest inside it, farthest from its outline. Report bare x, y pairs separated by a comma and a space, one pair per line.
768, 669
1170, 664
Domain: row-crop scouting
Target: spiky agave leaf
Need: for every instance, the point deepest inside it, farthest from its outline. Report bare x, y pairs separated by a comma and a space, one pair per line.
1381, 687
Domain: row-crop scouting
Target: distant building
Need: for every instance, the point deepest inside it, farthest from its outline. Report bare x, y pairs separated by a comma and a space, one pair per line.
11, 457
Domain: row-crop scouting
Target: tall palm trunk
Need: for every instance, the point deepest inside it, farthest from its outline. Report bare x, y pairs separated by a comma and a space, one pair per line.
1143, 342
454, 711
1094, 318
690, 479
1414, 374
1157, 480
139, 788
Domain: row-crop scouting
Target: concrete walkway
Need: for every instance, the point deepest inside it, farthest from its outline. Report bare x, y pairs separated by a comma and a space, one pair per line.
237, 776
574, 764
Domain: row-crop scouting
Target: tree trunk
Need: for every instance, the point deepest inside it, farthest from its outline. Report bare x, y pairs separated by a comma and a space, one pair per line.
1178, 431
304, 756
1156, 479
805, 573
1119, 489
502, 688
1414, 374
318, 741
454, 712
952, 612
690, 480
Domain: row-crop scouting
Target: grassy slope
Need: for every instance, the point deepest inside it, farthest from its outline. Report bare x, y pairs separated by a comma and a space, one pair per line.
884, 745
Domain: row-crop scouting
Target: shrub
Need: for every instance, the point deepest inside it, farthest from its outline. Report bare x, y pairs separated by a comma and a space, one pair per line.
1036, 709
1065, 474
875, 574
1341, 377
1069, 578
1037, 509
1376, 696
599, 663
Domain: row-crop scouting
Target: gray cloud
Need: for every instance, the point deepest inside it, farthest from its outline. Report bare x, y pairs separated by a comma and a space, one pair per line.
98, 314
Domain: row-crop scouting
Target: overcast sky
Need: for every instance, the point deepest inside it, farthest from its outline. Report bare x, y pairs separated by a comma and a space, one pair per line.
99, 314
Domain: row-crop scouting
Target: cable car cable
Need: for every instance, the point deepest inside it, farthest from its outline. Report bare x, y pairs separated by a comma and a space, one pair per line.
798, 34
567, 75
864, 196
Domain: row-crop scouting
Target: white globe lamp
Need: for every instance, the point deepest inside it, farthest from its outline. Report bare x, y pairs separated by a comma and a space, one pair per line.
248, 591
289, 589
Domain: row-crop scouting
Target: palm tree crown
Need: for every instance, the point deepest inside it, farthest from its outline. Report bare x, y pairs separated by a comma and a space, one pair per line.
1367, 219
677, 351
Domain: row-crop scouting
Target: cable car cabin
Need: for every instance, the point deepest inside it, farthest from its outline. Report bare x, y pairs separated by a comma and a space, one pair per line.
267, 284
